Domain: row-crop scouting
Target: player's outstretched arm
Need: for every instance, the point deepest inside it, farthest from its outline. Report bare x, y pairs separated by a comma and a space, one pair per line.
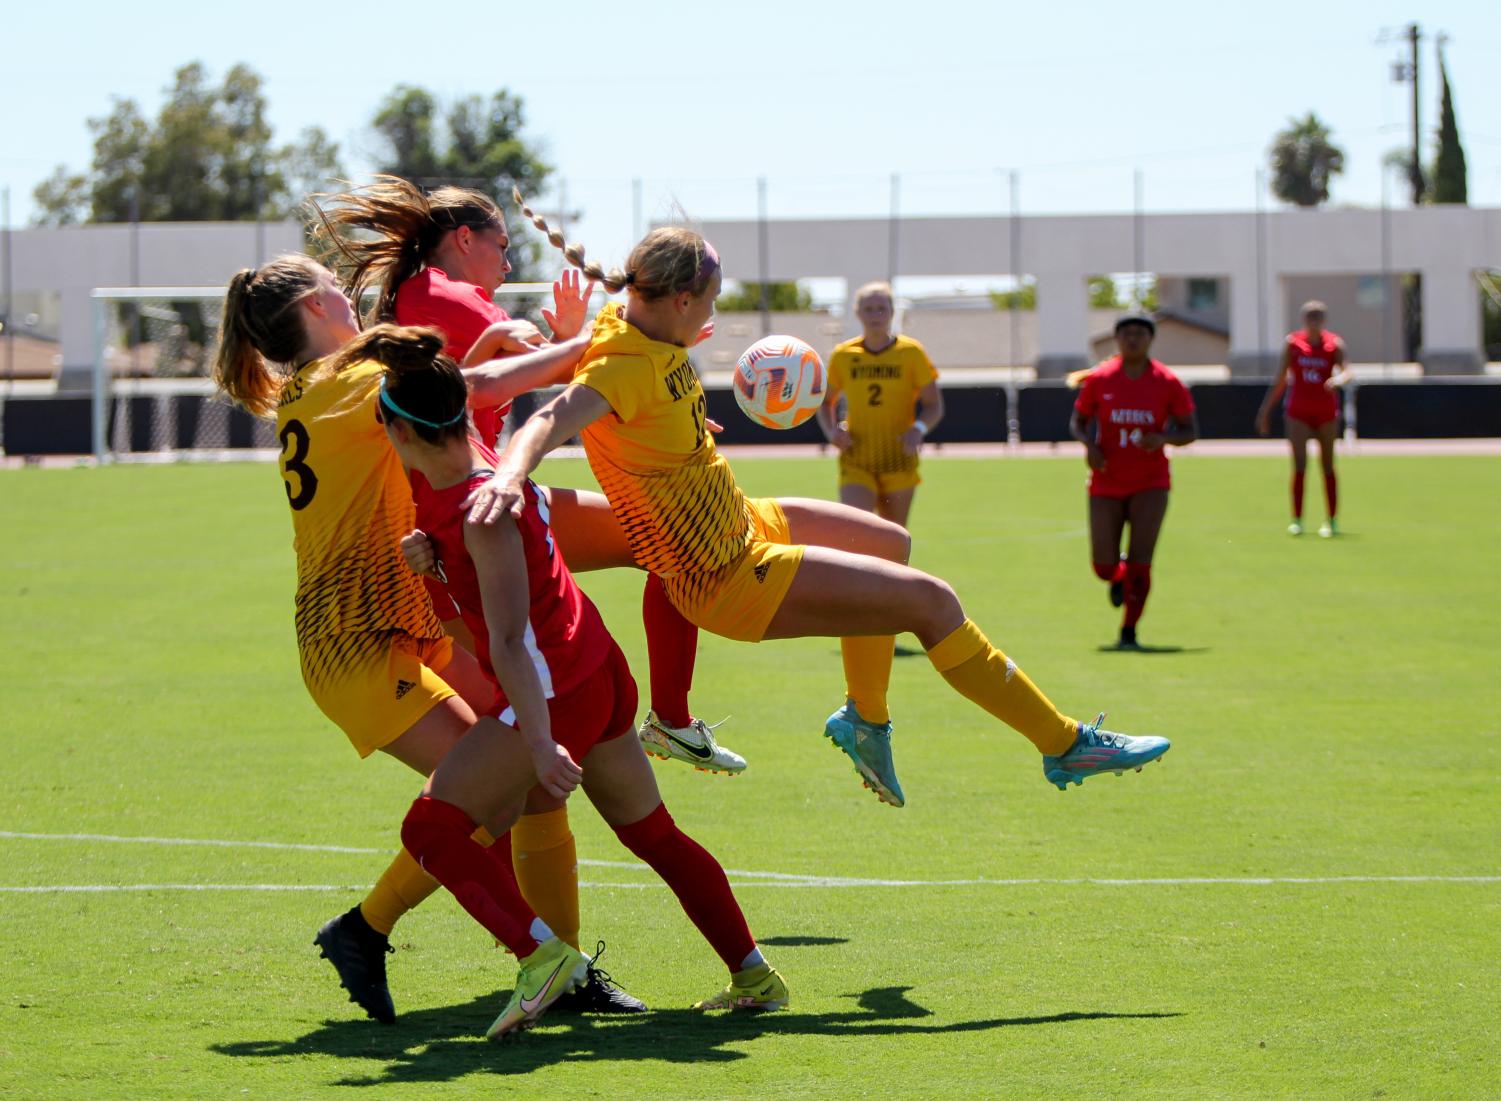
553, 425
498, 381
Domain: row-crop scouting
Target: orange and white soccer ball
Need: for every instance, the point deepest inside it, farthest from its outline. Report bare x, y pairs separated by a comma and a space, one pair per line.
779, 382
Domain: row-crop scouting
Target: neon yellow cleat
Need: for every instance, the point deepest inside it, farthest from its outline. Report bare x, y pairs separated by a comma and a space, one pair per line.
555, 968
757, 989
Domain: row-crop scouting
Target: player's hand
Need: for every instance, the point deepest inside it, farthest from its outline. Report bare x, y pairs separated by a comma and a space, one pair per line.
1151, 441
417, 549
501, 494
713, 425
1094, 456
1334, 382
842, 440
557, 772
1264, 423
912, 441
515, 337
703, 334
570, 305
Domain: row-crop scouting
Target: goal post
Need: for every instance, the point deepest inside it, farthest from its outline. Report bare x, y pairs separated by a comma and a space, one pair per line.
153, 396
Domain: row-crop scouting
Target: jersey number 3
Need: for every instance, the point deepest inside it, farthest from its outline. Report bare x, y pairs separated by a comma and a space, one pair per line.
294, 439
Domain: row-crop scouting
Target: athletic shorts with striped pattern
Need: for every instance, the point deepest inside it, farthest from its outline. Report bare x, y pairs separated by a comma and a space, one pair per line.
375, 685
739, 599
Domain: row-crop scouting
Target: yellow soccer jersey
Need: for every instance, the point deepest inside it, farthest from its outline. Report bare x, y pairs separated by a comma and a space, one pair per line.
351, 504
672, 492
880, 394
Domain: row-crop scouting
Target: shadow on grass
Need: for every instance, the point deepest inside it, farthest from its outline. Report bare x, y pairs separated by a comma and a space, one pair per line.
801, 942
1141, 648
442, 1045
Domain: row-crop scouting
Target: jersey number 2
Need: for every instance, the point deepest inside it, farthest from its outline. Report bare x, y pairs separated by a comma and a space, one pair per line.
874, 393
294, 438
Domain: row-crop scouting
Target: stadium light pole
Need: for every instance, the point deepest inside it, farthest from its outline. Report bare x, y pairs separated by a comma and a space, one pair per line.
1138, 244
893, 228
10, 301
1014, 229
763, 250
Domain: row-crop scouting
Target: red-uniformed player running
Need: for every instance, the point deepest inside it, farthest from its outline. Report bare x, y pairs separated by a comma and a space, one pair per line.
565, 701
1128, 409
1312, 371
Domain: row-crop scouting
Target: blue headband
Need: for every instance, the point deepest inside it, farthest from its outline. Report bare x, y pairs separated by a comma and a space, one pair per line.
390, 404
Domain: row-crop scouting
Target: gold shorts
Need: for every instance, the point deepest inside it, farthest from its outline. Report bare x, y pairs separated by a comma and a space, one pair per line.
739, 600
883, 484
376, 685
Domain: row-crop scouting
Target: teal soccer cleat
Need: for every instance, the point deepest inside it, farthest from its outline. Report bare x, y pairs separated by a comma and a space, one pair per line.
1095, 751
869, 746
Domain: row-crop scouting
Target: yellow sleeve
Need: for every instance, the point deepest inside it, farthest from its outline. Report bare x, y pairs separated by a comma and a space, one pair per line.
836, 371
624, 381
924, 371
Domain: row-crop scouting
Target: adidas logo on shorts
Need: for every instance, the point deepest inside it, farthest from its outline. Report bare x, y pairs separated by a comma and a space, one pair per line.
761, 571
403, 687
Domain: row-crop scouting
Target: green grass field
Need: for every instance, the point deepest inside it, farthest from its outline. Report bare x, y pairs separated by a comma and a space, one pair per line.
1334, 715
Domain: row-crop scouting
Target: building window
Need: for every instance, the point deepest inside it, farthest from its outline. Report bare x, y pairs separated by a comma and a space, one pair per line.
1203, 294
1370, 292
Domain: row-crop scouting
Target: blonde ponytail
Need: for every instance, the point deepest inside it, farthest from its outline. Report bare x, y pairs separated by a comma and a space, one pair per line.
260, 328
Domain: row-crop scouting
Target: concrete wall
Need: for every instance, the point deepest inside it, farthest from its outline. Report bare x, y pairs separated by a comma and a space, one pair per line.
1258, 253
74, 260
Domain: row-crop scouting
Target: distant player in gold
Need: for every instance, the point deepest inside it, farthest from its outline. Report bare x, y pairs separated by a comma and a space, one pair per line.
891, 398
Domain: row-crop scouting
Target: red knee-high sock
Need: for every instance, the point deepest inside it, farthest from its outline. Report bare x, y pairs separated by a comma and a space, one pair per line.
1331, 492
1297, 494
437, 834
698, 881
671, 648
1138, 585
1110, 571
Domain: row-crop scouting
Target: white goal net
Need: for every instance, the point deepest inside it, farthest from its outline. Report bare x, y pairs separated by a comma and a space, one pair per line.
153, 390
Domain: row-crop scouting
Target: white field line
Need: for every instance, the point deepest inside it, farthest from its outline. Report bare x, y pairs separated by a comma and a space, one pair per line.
1189, 881
745, 878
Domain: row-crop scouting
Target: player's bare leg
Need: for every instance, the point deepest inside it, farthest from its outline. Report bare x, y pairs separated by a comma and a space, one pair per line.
1298, 434
1107, 523
1145, 512
896, 506
1328, 432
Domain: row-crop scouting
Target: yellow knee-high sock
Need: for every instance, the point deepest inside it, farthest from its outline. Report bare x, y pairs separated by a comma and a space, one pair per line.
547, 870
400, 887
980, 672
867, 673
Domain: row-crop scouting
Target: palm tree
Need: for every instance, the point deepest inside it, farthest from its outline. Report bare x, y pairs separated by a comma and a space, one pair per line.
1303, 162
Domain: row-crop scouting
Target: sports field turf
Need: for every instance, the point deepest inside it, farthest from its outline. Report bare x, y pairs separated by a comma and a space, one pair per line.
1302, 901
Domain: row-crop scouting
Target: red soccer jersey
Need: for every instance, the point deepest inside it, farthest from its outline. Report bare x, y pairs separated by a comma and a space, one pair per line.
1310, 363
463, 311
565, 635
1124, 409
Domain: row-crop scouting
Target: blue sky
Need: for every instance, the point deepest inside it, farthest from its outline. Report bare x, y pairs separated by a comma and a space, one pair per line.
826, 101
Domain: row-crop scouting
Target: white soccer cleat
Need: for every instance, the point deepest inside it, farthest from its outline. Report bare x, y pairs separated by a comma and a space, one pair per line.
693, 744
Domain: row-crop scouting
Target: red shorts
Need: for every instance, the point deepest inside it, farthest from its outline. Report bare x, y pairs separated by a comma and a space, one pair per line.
1313, 416
1119, 490
599, 708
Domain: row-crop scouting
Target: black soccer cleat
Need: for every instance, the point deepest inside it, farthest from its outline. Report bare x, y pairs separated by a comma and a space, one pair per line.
358, 954
598, 993
1128, 639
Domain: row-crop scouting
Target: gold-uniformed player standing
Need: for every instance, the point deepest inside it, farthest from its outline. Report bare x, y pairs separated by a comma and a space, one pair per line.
891, 399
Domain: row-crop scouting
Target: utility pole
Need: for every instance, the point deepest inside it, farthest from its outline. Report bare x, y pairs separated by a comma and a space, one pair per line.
1414, 34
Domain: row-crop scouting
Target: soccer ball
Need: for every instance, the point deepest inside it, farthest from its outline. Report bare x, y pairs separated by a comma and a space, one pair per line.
779, 382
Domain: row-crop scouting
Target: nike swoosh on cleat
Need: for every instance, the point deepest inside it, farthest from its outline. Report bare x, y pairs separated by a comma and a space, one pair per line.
529, 1005
702, 752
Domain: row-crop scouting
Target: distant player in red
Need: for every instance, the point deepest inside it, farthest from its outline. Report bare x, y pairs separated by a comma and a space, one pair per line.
1312, 371
1128, 408
565, 703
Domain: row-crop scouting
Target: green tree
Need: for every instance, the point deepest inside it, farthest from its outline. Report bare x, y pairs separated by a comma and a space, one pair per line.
1449, 184
1024, 297
1304, 161
782, 297
208, 155
473, 142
